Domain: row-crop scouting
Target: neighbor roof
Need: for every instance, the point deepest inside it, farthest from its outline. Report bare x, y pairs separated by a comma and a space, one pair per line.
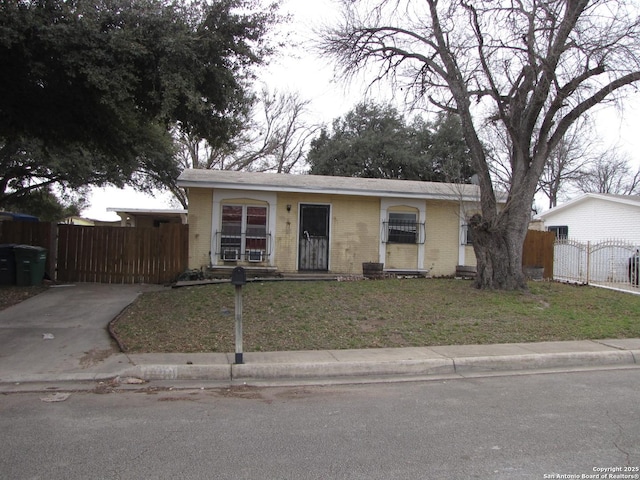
633, 200
325, 184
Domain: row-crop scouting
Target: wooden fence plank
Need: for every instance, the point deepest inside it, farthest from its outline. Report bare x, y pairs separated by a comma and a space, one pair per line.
538, 251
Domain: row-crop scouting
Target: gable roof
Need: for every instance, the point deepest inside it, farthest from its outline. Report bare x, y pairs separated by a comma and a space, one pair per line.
280, 182
633, 200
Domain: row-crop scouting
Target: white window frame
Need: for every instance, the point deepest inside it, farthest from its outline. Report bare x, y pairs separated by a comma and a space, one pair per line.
390, 204
242, 249
231, 197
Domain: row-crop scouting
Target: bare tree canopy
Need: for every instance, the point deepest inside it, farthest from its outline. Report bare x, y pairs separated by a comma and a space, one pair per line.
569, 161
531, 68
610, 173
274, 137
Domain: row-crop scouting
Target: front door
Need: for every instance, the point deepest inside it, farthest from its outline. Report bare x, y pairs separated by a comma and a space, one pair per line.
313, 239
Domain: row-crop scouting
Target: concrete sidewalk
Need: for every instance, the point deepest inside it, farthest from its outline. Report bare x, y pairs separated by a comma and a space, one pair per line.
61, 336
397, 362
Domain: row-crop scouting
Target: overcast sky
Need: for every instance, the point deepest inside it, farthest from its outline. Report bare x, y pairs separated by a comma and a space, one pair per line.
296, 69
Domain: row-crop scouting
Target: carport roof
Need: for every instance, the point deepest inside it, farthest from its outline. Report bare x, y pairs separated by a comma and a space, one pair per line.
278, 182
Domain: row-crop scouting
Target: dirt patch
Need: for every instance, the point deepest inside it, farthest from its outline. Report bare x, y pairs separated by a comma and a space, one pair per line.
368, 326
11, 295
245, 392
94, 356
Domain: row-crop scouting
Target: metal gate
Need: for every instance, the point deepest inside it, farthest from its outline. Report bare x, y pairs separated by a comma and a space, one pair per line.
609, 263
313, 240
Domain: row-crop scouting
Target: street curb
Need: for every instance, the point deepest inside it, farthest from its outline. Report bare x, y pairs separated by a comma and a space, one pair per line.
271, 371
423, 367
58, 377
543, 361
361, 370
180, 372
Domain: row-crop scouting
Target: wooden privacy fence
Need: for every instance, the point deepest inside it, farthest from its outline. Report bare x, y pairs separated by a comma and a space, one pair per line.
106, 254
538, 251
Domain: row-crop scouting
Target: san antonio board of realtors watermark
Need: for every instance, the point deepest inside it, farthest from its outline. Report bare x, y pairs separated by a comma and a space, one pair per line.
600, 473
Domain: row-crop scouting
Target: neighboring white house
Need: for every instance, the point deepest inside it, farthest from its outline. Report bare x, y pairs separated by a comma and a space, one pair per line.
603, 238
596, 217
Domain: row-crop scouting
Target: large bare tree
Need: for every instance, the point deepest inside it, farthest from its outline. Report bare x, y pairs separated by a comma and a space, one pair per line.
531, 67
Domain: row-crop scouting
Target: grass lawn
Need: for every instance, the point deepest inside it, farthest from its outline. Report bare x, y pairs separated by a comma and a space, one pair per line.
282, 316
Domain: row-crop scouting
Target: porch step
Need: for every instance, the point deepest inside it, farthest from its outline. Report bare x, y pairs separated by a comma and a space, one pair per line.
406, 273
224, 272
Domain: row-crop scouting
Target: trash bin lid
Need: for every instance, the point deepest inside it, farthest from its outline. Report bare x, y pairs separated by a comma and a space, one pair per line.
32, 248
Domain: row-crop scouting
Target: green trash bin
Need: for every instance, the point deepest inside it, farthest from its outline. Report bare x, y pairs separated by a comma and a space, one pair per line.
7, 264
30, 264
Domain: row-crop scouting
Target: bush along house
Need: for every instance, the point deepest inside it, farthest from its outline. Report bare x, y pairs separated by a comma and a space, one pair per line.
287, 224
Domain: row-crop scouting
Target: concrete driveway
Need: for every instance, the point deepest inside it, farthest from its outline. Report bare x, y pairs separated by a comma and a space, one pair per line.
62, 333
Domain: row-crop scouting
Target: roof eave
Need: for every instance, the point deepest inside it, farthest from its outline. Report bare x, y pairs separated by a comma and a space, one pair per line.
327, 191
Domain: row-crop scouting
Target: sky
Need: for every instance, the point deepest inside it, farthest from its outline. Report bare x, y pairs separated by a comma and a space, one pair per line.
298, 69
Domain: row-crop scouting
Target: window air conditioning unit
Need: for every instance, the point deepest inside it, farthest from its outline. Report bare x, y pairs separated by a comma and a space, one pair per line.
230, 255
254, 255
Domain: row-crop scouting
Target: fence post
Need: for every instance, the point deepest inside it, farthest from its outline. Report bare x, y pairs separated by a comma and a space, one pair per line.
588, 262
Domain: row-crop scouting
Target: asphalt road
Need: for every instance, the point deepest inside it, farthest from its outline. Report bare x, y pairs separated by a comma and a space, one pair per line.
527, 426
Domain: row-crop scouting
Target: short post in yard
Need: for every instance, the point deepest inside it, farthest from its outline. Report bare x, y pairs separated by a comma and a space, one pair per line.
238, 279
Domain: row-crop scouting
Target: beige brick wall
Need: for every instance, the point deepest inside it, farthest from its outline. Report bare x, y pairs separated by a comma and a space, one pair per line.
200, 205
442, 240
285, 239
354, 231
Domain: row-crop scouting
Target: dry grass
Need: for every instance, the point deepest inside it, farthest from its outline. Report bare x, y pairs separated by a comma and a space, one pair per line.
368, 314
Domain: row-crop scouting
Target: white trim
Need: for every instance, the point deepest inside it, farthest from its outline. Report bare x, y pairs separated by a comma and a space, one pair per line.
624, 199
385, 205
220, 196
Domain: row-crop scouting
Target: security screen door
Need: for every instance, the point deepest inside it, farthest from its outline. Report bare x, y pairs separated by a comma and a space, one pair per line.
313, 243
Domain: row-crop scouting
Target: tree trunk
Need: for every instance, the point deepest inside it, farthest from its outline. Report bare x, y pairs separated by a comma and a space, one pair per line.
498, 249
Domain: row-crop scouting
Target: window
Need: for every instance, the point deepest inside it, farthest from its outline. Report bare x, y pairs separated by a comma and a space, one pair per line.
467, 238
561, 231
402, 228
244, 232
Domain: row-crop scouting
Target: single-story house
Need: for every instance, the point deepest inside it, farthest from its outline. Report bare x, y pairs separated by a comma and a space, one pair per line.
595, 217
149, 217
312, 223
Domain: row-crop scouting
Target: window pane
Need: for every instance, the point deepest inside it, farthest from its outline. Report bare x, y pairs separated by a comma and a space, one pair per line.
468, 235
231, 238
402, 228
562, 231
256, 234
231, 220
256, 216
315, 220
